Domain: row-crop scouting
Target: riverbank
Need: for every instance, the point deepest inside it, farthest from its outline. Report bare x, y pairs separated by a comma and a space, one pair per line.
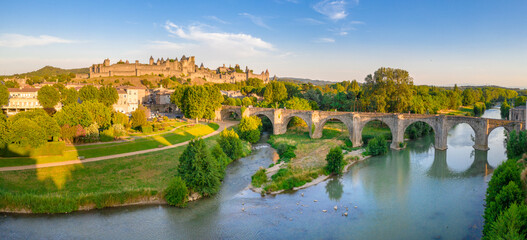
351, 157
132, 180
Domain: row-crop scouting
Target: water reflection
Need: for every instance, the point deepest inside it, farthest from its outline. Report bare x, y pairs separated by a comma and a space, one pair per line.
441, 169
334, 189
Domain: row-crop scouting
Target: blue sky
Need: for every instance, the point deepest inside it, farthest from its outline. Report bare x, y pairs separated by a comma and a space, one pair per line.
440, 42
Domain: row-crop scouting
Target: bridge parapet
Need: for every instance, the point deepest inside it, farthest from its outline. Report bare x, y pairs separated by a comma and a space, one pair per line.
397, 122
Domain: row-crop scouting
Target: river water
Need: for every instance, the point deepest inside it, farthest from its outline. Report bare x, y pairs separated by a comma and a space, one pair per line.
416, 193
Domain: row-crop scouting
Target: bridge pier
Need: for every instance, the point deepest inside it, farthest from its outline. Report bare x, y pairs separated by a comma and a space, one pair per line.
481, 141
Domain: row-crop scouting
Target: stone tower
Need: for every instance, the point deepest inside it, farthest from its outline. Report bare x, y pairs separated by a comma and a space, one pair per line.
106, 62
151, 62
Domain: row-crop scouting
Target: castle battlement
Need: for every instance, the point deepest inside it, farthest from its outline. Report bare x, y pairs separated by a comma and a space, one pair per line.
185, 67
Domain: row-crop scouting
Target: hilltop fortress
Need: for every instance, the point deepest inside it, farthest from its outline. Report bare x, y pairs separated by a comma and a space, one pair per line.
184, 68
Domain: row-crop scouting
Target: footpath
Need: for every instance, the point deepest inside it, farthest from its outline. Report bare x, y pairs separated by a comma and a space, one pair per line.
222, 125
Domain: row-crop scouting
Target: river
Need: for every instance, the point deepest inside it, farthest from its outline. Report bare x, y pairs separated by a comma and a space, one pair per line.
416, 193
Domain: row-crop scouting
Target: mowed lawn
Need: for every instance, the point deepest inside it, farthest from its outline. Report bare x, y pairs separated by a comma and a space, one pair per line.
96, 184
89, 151
99, 184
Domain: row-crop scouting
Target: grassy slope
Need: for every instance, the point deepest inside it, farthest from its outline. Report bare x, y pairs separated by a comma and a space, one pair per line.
97, 184
180, 135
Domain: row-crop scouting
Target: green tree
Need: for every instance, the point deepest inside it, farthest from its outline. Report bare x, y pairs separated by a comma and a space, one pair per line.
48, 96
4, 95
108, 95
516, 144
249, 128
73, 115
4, 133
268, 93
42, 119
199, 170
335, 161
120, 118
138, 118
221, 158
12, 84
68, 96
176, 194
520, 101
504, 110
388, 90
508, 195
505, 173
89, 93
246, 102
279, 91
231, 144
178, 96
101, 114
25, 132
511, 224
377, 146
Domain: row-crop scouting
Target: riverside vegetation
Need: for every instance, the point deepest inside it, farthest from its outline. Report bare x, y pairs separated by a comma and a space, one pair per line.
505, 207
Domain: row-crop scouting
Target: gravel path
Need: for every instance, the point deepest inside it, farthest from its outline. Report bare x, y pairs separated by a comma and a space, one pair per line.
222, 125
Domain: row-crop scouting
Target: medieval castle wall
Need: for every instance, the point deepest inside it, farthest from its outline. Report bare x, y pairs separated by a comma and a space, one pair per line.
184, 68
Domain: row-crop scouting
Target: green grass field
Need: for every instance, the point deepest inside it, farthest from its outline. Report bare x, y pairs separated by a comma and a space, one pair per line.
97, 184
89, 151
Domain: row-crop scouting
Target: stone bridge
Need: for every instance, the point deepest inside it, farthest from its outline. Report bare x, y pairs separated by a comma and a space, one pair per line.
356, 121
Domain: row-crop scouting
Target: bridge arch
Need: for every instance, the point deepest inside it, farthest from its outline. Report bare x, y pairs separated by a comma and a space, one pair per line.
319, 127
364, 122
228, 113
304, 118
428, 121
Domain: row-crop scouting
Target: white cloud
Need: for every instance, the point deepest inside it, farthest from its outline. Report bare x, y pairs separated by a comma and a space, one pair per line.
335, 10
239, 44
325, 40
19, 40
256, 20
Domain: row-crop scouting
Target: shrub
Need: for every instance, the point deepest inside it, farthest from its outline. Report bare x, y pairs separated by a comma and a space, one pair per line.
511, 224
516, 144
158, 127
377, 146
506, 197
107, 135
259, 178
282, 173
335, 161
138, 117
291, 183
146, 129
221, 158
249, 128
118, 130
231, 144
176, 194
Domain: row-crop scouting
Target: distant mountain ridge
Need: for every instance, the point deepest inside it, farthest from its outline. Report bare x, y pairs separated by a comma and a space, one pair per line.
305, 80
51, 71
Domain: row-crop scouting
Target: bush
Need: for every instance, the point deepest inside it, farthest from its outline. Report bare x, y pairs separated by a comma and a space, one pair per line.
146, 129
249, 128
231, 144
511, 224
107, 135
221, 158
291, 183
282, 173
118, 130
377, 146
508, 195
516, 144
479, 109
335, 161
176, 194
259, 178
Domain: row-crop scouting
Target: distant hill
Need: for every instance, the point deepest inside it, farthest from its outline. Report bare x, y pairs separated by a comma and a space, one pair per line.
305, 80
50, 71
